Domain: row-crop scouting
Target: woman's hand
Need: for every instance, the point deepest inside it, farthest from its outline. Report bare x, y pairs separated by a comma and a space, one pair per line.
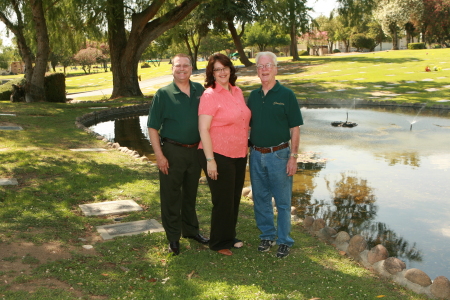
211, 167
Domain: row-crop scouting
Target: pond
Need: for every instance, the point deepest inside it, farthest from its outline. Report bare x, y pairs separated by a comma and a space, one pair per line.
384, 178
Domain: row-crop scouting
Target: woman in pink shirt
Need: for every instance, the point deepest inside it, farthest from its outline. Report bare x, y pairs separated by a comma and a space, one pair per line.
223, 124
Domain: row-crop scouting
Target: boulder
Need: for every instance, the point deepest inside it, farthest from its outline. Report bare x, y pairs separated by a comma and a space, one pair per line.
440, 287
246, 191
393, 265
418, 276
342, 237
356, 245
377, 253
318, 224
327, 233
308, 221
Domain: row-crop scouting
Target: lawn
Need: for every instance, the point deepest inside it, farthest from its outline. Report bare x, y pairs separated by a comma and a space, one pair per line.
43, 231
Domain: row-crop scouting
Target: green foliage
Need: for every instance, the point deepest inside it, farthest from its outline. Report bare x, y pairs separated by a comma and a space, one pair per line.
303, 53
55, 87
336, 51
414, 46
361, 41
6, 89
436, 46
145, 65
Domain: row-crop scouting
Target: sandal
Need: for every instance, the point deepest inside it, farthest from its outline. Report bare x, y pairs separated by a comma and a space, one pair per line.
226, 252
237, 243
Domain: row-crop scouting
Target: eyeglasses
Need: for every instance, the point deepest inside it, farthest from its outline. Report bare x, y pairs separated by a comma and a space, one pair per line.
267, 66
178, 66
221, 70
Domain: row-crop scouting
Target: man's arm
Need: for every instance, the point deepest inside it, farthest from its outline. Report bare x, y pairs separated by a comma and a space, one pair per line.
291, 168
161, 160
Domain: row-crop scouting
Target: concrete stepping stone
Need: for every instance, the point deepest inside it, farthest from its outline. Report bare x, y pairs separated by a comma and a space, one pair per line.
441, 77
443, 101
410, 81
412, 92
11, 128
109, 232
8, 181
89, 150
432, 90
390, 75
428, 79
360, 79
12, 115
446, 86
378, 86
340, 90
98, 107
359, 87
109, 208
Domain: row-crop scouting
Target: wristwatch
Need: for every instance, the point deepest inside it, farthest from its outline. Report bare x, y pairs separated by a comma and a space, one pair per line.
295, 155
209, 159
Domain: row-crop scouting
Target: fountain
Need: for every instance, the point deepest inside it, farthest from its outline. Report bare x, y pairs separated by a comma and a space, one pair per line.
344, 124
414, 119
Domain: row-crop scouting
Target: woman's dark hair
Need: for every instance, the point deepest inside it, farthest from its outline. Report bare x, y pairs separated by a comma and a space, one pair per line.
226, 62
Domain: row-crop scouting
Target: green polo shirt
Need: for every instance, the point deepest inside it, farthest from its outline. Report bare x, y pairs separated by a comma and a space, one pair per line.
273, 115
175, 114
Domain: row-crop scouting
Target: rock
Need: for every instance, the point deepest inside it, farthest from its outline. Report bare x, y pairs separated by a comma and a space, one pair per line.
440, 287
88, 247
356, 245
144, 158
377, 253
318, 224
393, 265
203, 180
293, 210
308, 221
342, 237
250, 195
246, 191
417, 276
116, 145
327, 233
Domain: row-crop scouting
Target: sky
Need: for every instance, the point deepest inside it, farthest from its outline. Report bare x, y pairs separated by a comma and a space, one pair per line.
320, 7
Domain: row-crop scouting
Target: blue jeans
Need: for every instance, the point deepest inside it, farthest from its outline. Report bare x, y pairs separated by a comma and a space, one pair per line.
269, 179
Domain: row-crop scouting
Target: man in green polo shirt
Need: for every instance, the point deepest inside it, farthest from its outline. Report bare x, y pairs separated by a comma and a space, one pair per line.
276, 118
173, 130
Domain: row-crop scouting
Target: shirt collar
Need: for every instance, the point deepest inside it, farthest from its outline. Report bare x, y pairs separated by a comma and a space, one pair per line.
177, 89
275, 88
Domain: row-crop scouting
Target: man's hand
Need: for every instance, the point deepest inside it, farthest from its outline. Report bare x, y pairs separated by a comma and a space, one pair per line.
291, 167
163, 164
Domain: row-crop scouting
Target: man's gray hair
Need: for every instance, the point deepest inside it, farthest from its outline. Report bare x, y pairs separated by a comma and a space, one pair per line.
267, 53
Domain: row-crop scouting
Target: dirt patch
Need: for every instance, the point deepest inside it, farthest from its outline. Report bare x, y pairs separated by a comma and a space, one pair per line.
20, 258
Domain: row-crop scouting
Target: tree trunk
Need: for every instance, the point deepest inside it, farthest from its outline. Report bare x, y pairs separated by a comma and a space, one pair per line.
36, 91
393, 28
125, 54
237, 42
294, 46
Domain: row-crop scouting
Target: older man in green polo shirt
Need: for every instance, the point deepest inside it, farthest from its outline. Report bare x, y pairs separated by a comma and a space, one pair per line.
173, 131
276, 118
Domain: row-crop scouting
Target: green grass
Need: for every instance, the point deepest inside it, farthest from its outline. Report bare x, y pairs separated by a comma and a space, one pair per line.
53, 181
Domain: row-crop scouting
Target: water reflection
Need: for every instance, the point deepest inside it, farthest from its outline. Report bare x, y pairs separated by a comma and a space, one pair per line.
378, 179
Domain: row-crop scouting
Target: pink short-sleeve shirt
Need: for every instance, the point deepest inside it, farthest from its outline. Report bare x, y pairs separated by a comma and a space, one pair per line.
230, 122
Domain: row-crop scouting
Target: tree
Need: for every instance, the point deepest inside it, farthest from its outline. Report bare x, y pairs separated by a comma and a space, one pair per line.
87, 57
315, 40
435, 22
8, 55
191, 31
328, 24
215, 42
127, 46
394, 14
227, 13
16, 15
261, 35
291, 16
360, 41
343, 32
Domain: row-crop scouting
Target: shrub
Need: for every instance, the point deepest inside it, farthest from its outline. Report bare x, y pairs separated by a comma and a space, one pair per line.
360, 41
55, 87
414, 46
303, 53
336, 51
437, 46
145, 65
6, 89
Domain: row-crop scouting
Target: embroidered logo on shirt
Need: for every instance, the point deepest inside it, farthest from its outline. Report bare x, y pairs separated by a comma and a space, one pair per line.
278, 103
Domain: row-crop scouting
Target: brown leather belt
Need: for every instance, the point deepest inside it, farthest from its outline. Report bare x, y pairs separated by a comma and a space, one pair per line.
179, 144
271, 149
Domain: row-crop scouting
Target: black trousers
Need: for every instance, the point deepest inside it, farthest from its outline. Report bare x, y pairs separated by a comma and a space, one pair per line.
226, 194
178, 192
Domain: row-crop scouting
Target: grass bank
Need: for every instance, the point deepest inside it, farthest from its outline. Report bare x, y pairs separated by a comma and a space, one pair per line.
42, 230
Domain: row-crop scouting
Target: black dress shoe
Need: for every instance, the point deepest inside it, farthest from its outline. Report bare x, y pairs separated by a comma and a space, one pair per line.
199, 238
174, 247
